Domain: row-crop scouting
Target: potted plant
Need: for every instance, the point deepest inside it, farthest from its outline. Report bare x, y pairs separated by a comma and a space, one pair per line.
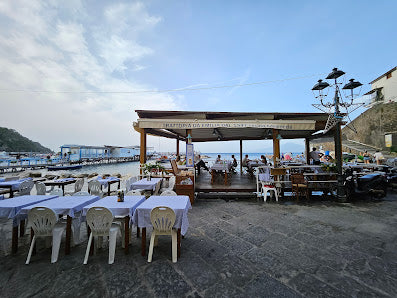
149, 168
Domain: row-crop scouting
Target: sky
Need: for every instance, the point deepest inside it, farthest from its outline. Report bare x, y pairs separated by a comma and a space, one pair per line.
72, 72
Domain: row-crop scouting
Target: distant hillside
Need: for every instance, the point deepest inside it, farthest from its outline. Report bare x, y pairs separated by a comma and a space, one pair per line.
12, 141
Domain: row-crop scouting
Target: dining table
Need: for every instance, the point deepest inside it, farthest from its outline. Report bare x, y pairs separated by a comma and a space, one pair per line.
69, 206
60, 183
10, 208
123, 209
146, 184
223, 167
13, 185
180, 205
106, 182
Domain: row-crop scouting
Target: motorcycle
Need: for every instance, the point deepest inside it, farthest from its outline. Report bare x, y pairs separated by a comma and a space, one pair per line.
373, 185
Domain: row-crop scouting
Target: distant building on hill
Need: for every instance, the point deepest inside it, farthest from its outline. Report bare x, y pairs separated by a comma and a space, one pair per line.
384, 88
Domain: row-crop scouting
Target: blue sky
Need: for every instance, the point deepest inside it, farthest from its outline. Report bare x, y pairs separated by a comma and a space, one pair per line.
154, 45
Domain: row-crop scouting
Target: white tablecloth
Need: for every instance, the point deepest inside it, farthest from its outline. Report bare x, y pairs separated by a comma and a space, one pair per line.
145, 184
118, 208
65, 180
222, 167
10, 207
180, 205
63, 205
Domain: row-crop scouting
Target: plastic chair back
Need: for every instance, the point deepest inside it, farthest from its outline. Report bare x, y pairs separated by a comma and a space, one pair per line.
99, 219
95, 188
168, 193
40, 188
25, 187
163, 219
42, 220
128, 183
157, 188
171, 182
78, 185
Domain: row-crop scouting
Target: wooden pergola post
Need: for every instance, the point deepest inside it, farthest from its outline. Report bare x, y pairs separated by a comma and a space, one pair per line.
241, 156
307, 150
142, 155
177, 146
276, 147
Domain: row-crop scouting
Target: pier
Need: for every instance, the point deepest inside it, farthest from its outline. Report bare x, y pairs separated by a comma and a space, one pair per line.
36, 164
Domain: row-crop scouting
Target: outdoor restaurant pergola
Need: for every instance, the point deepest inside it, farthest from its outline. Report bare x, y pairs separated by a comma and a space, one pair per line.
229, 126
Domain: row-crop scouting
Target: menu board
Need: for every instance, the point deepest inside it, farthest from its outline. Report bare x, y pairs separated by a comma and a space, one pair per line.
189, 156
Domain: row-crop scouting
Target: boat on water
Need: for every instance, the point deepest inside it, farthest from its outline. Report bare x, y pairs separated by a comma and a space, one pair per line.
64, 167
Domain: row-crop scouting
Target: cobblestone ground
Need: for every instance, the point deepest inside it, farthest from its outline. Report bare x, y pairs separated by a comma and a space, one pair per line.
239, 248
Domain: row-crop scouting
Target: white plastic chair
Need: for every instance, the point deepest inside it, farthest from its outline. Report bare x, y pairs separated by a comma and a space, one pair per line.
25, 187
129, 183
168, 193
135, 192
95, 188
157, 188
163, 219
81, 193
265, 183
171, 184
40, 188
57, 192
44, 223
100, 221
78, 186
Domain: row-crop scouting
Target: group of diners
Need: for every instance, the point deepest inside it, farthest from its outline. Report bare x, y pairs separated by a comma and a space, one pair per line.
50, 214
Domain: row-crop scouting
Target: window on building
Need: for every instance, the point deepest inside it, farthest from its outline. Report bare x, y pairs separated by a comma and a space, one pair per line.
388, 76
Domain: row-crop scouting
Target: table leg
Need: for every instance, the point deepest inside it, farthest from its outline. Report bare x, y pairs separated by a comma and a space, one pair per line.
143, 244
31, 238
22, 228
212, 176
179, 242
127, 233
225, 177
92, 242
14, 241
137, 232
68, 235
63, 189
118, 185
11, 193
108, 189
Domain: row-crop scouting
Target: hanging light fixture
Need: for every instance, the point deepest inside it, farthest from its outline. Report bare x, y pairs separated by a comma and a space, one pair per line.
279, 137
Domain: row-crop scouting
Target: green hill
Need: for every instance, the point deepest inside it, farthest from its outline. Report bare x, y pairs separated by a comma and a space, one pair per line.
12, 141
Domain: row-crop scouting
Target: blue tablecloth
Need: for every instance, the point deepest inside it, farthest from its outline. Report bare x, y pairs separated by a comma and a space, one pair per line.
14, 183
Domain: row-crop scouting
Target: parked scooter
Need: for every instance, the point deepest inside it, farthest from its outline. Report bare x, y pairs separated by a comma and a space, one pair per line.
373, 185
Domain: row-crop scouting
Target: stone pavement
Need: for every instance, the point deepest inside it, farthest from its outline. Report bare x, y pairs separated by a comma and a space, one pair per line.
239, 248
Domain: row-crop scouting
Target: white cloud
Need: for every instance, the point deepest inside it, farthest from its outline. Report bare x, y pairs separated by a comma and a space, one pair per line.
58, 47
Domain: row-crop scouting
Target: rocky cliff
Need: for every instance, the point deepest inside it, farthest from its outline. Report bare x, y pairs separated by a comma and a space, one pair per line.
372, 125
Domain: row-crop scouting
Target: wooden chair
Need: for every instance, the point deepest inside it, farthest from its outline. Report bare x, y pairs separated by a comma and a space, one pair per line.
174, 167
299, 185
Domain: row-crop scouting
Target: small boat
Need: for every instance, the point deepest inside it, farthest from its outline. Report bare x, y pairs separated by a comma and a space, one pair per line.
58, 168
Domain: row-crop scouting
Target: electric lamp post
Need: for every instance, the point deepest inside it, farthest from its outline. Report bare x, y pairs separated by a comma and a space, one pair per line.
335, 116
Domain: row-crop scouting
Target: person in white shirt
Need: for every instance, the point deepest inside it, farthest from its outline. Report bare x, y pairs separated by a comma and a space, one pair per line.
316, 156
218, 159
378, 157
200, 164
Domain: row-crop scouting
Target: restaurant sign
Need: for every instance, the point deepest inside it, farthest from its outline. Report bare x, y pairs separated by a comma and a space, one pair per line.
197, 124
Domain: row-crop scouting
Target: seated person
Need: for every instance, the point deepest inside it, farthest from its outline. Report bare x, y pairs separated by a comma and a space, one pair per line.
263, 159
246, 160
200, 164
218, 159
234, 163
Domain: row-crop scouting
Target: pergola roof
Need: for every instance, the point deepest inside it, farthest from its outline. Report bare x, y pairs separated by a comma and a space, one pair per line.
226, 126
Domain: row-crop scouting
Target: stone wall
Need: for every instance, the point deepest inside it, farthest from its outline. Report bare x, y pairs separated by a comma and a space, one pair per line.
372, 124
